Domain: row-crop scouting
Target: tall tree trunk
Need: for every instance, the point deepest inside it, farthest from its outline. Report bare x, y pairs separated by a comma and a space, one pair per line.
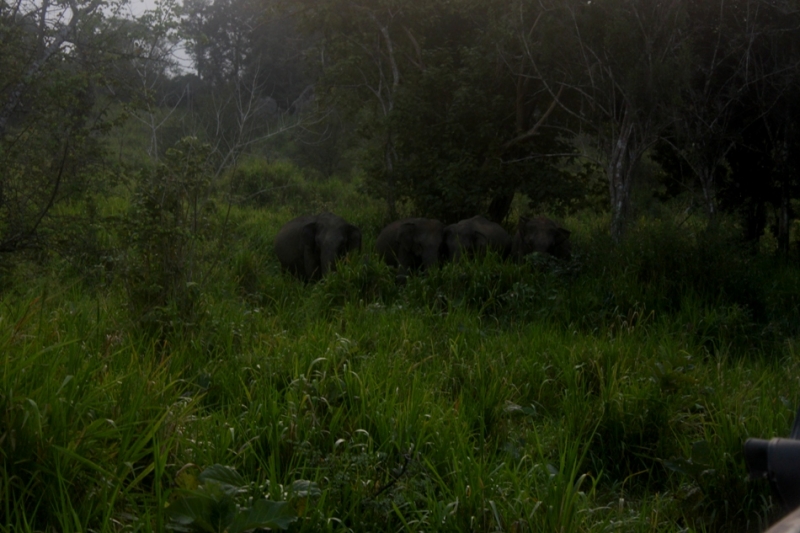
709, 194
389, 152
500, 206
755, 219
619, 171
391, 187
783, 218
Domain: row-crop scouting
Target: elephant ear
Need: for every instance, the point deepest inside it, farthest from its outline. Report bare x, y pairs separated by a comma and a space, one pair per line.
480, 241
406, 235
447, 234
447, 248
353, 237
562, 235
310, 236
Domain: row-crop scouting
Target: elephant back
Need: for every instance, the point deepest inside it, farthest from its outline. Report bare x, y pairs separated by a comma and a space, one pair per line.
411, 243
541, 234
474, 236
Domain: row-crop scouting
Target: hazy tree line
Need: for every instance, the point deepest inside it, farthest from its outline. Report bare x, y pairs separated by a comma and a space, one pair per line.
471, 102
456, 106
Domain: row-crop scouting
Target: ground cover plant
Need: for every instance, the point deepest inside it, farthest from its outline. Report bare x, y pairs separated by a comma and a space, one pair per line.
611, 392
160, 373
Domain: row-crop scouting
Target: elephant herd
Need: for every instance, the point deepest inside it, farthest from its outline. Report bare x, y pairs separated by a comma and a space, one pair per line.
309, 246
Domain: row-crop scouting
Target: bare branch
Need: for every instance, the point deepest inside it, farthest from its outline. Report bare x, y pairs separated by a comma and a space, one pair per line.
535, 128
35, 68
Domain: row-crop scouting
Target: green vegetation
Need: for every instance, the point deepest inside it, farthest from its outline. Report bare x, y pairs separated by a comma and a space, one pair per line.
159, 372
612, 392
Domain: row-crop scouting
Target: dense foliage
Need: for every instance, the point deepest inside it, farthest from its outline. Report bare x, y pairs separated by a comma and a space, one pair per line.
611, 391
447, 108
458, 100
158, 371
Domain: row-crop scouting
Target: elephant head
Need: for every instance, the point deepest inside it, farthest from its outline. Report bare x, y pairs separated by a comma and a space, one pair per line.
457, 242
327, 240
542, 235
421, 242
411, 244
309, 246
474, 236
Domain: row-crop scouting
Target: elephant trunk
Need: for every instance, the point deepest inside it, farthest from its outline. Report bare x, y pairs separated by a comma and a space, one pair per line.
331, 249
430, 257
327, 261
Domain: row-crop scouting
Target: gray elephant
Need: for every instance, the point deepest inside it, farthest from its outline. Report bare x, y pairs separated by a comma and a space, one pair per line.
309, 246
541, 234
474, 236
411, 244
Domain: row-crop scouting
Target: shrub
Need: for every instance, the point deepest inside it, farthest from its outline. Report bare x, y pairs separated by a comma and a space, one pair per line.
260, 183
169, 217
495, 288
665, 264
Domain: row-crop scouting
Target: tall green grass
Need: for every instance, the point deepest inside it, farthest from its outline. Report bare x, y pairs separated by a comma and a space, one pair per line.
609, 393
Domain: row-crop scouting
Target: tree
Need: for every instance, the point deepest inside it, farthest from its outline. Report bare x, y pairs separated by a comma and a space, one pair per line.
702, 133
733, 127
150, 44
616, 68
45, 106
448, 119
764, 161
253, 81
366, 50
63, 65
470, 125
46, 30
238, 39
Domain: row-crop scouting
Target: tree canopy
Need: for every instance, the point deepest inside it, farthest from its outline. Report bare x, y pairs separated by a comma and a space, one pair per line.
450, 108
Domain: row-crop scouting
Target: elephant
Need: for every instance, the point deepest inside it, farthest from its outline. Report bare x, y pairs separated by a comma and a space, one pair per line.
411, 244
541, 234
474, 236
309, 246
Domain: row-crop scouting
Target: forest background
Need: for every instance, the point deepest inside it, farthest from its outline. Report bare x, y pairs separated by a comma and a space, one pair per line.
159, 371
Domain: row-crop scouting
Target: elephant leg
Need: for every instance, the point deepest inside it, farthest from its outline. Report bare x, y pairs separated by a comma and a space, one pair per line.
311, 263
403, 267
402, 275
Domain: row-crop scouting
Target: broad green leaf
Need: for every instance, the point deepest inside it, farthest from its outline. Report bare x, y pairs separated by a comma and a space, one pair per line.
192, 510
209, 512
264, 513
303, 488
228, 478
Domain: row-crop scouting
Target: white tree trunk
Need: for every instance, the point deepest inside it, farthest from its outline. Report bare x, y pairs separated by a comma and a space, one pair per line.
709, 193
620, 166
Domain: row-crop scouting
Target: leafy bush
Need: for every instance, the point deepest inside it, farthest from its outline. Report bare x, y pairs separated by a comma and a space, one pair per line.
169, 217
86, 239
599, 394
260, 183
214, 503
673, 267
495, 288
356, 280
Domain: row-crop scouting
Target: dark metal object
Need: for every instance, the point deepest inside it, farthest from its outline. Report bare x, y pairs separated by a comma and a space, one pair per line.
778, 461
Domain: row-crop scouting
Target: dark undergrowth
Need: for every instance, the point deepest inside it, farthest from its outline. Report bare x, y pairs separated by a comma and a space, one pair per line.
610, 392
